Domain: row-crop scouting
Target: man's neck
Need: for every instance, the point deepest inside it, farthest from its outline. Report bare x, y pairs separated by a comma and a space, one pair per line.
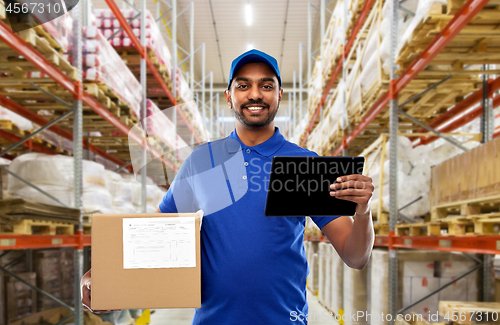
252, 137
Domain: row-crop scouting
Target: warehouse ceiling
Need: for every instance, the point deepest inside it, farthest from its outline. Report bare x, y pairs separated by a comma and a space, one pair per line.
267, 32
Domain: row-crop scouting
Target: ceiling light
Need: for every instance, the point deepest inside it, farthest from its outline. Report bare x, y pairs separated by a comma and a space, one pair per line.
248, 14
249, 46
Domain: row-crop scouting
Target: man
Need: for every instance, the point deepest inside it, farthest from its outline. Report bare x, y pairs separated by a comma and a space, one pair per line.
254, 267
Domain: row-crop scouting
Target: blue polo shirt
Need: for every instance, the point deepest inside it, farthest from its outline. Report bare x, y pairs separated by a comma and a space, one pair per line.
253, 267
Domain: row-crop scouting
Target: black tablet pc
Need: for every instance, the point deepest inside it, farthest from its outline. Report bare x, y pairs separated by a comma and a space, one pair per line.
300, 186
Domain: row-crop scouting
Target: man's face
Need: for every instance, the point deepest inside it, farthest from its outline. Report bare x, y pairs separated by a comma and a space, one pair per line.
254, 95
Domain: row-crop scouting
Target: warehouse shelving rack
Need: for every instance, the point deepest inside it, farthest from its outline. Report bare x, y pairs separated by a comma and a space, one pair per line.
487, 245
75, 88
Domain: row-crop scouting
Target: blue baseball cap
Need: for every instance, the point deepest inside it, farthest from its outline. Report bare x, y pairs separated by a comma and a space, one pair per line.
253, 56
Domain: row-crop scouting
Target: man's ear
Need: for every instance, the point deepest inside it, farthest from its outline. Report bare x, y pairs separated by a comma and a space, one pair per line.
280, 94
227, 96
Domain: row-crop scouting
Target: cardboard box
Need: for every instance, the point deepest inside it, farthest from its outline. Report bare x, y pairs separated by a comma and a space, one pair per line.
142, 261
47, 264
20, 299
415, 288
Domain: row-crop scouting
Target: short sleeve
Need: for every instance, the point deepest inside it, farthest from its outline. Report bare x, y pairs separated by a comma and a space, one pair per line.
323, 221
179, 197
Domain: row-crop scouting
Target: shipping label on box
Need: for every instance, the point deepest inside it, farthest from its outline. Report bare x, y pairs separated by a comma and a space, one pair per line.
159, 243
143, 261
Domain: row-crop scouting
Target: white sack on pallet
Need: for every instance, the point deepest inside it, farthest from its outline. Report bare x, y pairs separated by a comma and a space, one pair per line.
21, 123
94, 198
53, 170
121, 193
62, 193
55, 175
136, 189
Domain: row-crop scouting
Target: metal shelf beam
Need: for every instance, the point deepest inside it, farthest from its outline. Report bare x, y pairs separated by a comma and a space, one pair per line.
28, 144
466, 244
14, 241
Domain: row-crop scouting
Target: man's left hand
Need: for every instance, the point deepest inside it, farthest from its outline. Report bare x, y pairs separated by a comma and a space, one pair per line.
355, 188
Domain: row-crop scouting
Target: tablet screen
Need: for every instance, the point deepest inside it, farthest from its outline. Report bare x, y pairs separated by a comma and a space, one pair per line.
300, 186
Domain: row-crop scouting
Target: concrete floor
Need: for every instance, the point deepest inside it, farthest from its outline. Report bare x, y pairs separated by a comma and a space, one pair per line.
317, 315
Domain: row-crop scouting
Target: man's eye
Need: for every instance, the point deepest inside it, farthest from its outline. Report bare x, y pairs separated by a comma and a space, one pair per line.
242, 86
268, 87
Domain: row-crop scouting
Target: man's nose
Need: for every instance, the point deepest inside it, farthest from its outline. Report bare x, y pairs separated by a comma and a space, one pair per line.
255, 93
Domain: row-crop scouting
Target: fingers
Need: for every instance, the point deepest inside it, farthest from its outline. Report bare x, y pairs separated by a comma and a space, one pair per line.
351, 184
351, 192
360, 200
354, 177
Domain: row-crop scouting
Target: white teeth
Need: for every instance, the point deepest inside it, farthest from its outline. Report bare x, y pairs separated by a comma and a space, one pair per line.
255, 108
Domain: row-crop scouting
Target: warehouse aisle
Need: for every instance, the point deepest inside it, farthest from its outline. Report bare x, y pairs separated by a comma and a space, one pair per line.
318, 315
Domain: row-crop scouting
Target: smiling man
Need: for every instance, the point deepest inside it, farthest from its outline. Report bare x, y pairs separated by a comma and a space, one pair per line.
253, 267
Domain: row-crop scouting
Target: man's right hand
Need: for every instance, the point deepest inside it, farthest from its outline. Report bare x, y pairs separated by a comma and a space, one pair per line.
85, 285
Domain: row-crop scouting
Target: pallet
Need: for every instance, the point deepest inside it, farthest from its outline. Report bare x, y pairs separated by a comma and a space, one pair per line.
108, 98
477, 43
482, 224
10, 127
437, 228
468, 312
132, 59
381, 230
87, 229
44, 46
35, 210
40, 31
36, 227
474, 207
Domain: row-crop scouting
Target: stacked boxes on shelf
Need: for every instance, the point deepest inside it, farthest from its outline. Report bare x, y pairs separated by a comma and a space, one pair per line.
55, 275
67, 275
47, 264
464, 190
111, 29
102, 64
20, 299
347, 291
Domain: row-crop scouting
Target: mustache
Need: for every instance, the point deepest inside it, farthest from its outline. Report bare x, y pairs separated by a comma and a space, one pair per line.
266, 105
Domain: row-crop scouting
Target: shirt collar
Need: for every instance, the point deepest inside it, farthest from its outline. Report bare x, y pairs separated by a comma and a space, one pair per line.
266, 148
